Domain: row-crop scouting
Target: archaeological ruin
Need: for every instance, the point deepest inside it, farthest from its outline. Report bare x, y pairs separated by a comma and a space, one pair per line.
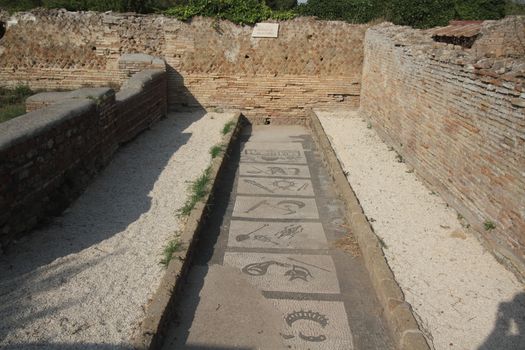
450, 101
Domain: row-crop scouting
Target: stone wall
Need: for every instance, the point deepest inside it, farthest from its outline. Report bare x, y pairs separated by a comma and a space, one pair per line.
48, 156
210, 63
459, 120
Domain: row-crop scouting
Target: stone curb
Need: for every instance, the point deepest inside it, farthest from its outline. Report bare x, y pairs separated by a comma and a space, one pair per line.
397, 311
151, 331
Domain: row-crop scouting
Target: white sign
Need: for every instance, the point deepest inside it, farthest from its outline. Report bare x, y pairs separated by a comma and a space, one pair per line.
266, 30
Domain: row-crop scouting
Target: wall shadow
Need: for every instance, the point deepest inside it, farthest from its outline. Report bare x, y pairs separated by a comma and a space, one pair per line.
45, 258
509, 329
179, 97
188, 298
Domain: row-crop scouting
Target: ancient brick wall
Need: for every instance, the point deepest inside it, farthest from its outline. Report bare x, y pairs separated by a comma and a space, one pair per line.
459, 120
504, 38
210, 63
141, 102
48, 156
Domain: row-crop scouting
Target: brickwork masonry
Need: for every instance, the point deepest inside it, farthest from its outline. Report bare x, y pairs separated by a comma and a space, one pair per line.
210, 63
456, 115
459, 122
48, 156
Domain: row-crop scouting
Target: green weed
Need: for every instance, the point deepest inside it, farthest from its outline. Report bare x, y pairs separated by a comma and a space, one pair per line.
489, 225
216, 150
172, 247
228, 127
198, 190
237, 11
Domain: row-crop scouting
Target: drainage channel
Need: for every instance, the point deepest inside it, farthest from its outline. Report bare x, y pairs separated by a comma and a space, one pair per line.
276, 267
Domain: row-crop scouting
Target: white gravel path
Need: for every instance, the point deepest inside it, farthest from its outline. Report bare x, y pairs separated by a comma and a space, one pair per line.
463, 297
82, 281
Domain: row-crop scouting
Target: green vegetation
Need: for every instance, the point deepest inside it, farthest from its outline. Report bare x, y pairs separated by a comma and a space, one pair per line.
12, 102
430, 13
169, 250
489, 225
198, 190
281, 4
237, 11
141, 6
512, 8
354, 11
228, 127
421, 13
216, 150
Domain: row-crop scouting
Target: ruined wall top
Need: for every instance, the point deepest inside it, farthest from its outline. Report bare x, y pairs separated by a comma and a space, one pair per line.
498, 52
62, 39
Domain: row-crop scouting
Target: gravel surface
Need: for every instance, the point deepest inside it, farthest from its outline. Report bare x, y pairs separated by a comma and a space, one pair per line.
83, 281
463, 298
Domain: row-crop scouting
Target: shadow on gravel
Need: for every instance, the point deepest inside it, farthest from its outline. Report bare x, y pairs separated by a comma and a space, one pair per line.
118, 196
509, 330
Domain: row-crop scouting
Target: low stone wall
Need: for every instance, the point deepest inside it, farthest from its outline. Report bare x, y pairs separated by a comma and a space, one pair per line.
141, 102
459, 120
48, 156
210, 63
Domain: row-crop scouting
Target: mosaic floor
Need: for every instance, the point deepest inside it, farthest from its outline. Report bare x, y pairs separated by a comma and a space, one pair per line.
278, 226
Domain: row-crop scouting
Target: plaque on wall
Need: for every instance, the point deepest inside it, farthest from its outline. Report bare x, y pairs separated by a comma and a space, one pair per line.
266, 30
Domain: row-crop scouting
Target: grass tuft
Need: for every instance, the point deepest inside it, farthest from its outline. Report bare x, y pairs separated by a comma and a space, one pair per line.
489, 225
169, 250
228, 127
199, 189
216, 150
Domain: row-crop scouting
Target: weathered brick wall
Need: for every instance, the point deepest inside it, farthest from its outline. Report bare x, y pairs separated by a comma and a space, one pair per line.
209, 63
504, 38
458, 121
55, 50
48, 156
141, 102
311, 63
